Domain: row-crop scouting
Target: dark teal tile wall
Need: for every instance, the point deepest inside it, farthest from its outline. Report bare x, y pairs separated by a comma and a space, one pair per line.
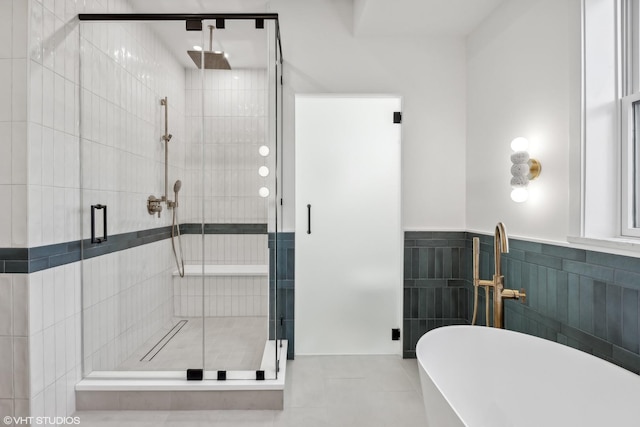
282, 287
435, 292
585, 299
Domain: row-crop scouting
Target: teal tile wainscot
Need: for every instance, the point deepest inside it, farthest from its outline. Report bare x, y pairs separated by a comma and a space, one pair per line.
584, 299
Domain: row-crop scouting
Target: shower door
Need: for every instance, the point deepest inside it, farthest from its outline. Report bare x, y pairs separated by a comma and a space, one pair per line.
348, 231
237, 198
132, 98
178, 166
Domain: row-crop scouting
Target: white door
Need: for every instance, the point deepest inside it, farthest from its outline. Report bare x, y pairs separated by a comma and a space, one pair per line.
349, 252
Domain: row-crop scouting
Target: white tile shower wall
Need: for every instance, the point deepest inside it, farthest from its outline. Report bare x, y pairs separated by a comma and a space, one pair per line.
13, 122
54, 357
14, 334
226, 249
125, 72
52, 107
109, 78
223, 295
14, 345
235, 125
127, 297
40, 173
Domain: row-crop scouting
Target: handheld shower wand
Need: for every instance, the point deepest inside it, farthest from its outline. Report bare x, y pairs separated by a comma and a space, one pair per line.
176, 188
175, 228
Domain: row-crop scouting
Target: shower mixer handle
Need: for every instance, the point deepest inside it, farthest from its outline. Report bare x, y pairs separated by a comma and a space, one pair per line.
154, 205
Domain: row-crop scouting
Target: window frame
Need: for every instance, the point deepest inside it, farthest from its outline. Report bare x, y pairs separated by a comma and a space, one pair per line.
629, 148
629, 164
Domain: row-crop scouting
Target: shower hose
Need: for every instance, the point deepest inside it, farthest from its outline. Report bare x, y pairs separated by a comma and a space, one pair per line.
176, 228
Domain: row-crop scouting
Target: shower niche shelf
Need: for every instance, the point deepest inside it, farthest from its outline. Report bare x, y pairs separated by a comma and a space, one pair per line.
226, 270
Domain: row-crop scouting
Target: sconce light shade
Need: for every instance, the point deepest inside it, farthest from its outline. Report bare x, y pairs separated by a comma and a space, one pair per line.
523, 170
520, 144
520, 195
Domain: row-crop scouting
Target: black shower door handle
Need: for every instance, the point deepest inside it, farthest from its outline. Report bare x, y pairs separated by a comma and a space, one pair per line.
95, 239
308, 219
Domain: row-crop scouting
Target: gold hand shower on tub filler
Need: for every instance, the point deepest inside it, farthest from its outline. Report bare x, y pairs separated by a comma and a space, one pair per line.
500, 246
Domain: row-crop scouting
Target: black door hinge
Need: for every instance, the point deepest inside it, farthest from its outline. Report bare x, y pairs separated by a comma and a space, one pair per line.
397, 117
395, 334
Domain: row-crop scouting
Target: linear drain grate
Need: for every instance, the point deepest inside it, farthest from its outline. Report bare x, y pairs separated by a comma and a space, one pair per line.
163, 341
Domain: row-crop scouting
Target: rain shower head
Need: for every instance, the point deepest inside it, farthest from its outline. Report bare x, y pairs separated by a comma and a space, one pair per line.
177, 186
212, 60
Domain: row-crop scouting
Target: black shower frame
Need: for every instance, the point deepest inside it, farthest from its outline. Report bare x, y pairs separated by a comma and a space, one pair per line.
187, 17
190, 17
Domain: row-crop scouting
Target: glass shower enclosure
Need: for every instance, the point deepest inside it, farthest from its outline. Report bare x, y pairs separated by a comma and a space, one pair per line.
180, 124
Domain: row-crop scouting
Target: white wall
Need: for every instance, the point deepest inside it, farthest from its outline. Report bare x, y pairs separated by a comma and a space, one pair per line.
322, 56
522, 69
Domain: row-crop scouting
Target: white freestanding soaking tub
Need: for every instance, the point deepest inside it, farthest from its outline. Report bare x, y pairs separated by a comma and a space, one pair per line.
487, 377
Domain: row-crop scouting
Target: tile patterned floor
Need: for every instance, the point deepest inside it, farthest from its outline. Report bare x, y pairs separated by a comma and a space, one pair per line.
321, 391
231, 343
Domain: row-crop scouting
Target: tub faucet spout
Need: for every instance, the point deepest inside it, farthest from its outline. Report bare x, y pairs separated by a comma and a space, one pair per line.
500, 246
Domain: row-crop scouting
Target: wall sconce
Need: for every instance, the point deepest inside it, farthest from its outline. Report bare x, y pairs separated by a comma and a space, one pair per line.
524, 169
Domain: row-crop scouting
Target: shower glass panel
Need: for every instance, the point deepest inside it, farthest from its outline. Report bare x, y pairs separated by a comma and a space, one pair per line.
180, 161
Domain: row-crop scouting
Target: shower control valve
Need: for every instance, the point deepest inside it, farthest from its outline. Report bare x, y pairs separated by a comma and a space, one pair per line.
154, 205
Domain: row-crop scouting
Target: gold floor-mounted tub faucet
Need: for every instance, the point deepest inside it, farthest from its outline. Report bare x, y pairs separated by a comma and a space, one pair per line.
500, 246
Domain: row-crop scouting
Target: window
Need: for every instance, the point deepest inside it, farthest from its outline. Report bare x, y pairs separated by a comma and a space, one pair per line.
630, 117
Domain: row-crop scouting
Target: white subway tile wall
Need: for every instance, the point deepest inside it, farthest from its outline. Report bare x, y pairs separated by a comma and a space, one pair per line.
125, 71
56, 75
235, 126
127, 297
226, 249
14, 343
13, 122
228, 296
222, 296
52, 148
40, 89
54, 356
14, 333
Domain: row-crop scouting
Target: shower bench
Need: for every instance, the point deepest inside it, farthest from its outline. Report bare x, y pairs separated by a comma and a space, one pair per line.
225, 270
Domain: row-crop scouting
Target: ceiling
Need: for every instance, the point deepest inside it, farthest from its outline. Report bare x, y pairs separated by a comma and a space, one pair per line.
420, 17
248, 47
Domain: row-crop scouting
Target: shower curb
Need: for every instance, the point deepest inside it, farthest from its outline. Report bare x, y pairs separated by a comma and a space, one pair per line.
101, 393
